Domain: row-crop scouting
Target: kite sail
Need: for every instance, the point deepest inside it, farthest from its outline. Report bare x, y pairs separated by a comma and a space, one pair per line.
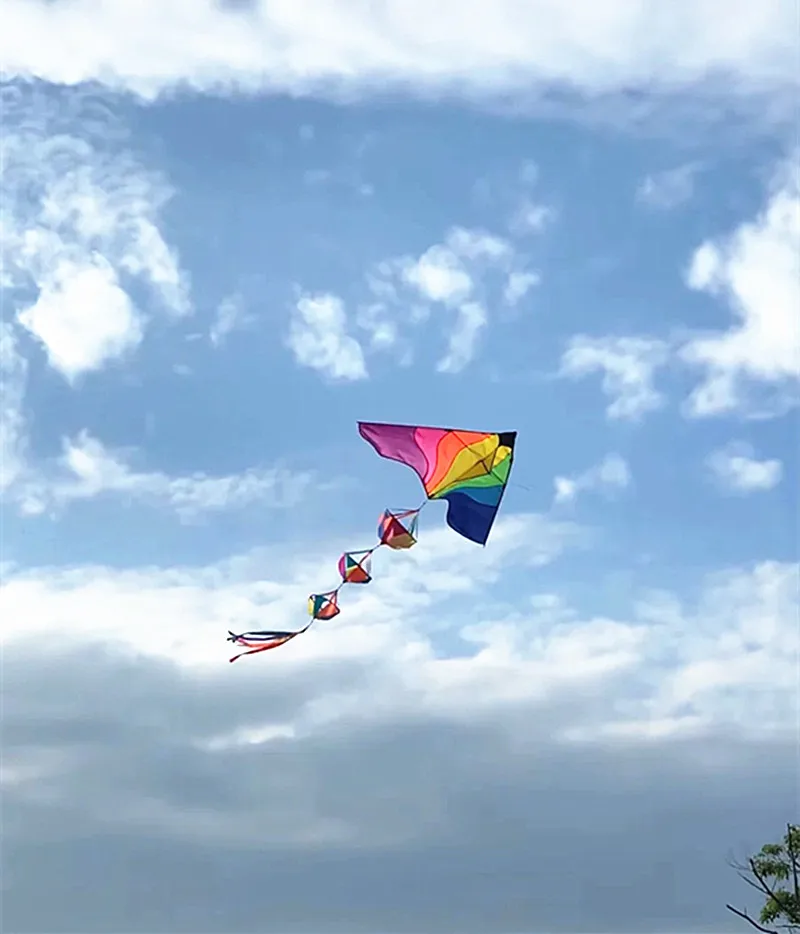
324, 605
469, 469
356, 567
398, 530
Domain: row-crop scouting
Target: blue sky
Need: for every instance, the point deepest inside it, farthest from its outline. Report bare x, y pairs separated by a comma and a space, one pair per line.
204, 290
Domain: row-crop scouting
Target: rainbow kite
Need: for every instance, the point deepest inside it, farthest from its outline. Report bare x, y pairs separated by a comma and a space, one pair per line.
469, 469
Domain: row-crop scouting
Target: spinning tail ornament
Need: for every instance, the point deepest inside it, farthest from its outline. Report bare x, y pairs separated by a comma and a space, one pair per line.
468, 469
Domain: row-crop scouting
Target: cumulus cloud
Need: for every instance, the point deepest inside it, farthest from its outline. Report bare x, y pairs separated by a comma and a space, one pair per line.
531, 732
88, 470
82, 317
439, 276
736, 468
488, 48
80, 227
454, 283
461, 275
611, 474
754, 366
319, 338
628, 365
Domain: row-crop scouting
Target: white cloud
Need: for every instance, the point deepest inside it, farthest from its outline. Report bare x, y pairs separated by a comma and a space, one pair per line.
488, 47
736, 468
83, 317
89, 469
462, 277
530, 217
612, 473
13, 377
628, 365
318, 338
664, 663
461, 274
383, 331
737, 651
478, 244
439, 276
463, 338
519, 284
80, 226
668, 189
230, 316
449, 272
511, 194
442, 708
204, 602
756, 270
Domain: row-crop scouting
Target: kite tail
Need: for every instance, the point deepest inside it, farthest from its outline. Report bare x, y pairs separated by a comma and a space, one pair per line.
252, 645
261, 648
322, 606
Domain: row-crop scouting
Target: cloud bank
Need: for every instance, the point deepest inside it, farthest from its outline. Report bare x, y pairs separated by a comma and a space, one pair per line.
481, 48
374, 780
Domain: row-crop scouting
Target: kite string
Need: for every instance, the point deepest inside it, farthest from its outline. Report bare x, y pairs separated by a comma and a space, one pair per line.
521, 486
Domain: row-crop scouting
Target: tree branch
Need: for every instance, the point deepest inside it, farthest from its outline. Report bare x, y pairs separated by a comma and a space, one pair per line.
784, 907
753, 885
746, 916
793, 859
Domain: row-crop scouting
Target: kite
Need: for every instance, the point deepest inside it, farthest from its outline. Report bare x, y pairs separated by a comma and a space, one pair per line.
468, 469
356, 566
398, 530
324, 605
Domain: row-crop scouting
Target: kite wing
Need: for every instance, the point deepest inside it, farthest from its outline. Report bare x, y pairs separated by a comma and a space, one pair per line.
469, 469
